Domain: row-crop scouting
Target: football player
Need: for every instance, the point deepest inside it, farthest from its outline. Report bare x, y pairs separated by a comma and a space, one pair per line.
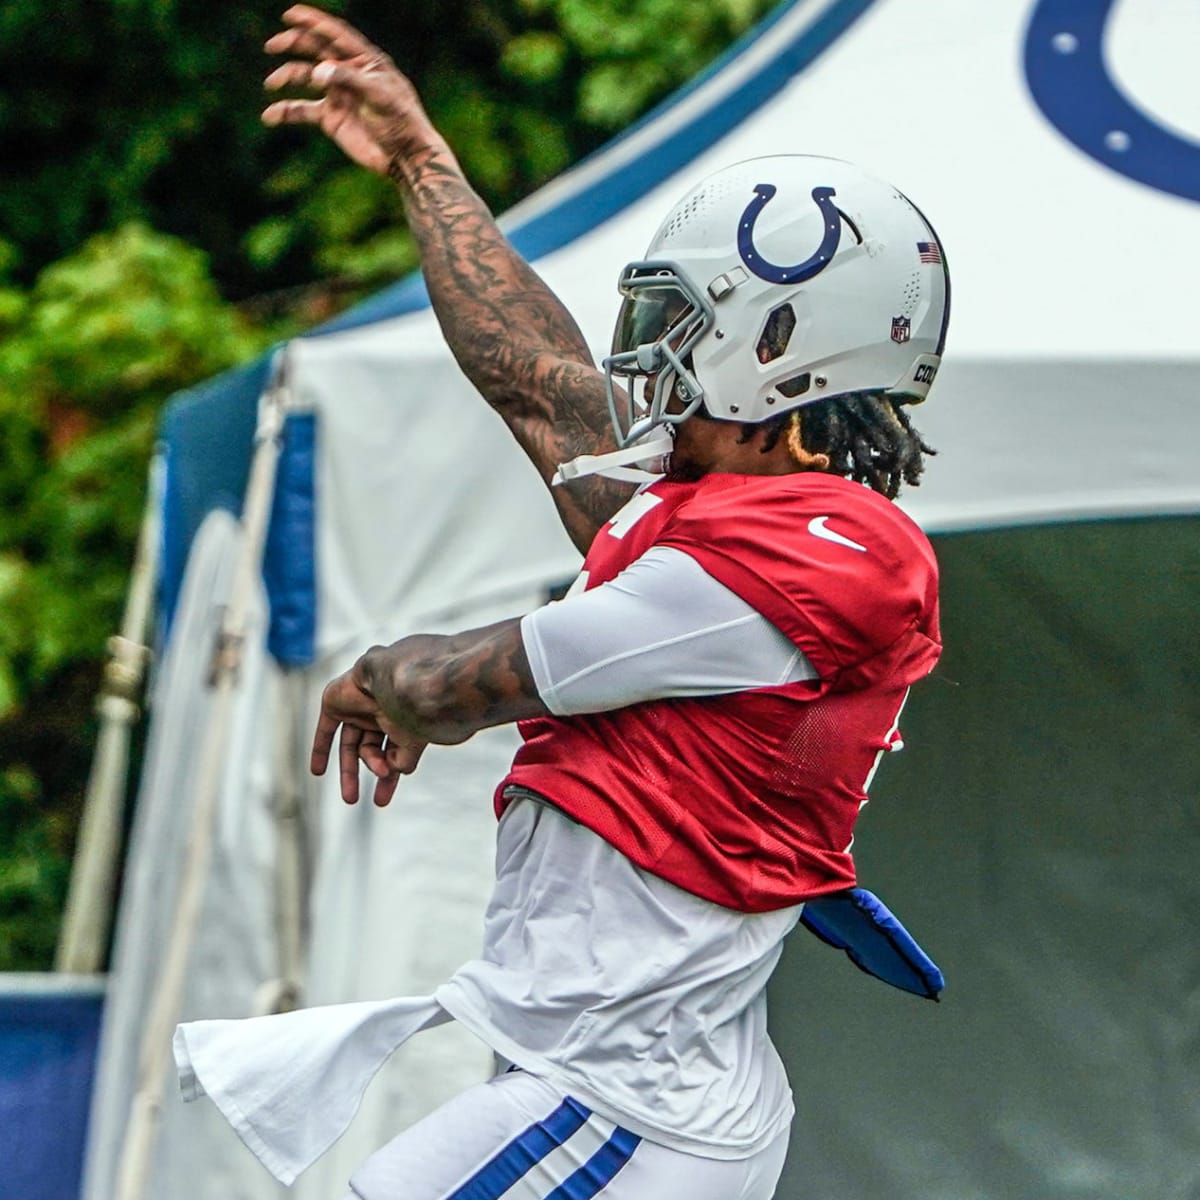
703, 713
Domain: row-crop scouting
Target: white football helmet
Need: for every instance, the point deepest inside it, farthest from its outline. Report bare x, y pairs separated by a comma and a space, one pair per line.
775, 283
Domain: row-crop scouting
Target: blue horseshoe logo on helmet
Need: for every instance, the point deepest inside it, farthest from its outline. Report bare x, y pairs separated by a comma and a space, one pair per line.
819, 260
1070, 82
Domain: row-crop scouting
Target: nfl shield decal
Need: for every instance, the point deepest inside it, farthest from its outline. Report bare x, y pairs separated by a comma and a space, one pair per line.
901, 329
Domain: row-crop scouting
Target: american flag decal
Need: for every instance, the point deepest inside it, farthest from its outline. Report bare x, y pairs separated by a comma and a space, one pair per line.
929, 252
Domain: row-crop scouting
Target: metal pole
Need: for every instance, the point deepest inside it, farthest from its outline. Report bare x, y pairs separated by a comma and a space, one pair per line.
285, 992
83, 940
167, 1000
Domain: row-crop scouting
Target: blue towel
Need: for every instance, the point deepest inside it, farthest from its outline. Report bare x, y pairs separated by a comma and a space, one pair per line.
859, 923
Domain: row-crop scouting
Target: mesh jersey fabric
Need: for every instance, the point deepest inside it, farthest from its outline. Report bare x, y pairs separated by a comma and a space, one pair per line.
750, 800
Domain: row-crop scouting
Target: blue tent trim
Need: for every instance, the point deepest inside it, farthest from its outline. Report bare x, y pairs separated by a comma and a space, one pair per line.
206, 439
207, 432
289, 558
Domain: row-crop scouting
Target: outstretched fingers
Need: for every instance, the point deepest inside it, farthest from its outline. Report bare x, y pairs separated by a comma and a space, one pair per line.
365, 105
327, 727
401, 753
317, 34
374, 753
356, 745
294, 112
348, 745
325, 111
291, 74
371, 751
385, 789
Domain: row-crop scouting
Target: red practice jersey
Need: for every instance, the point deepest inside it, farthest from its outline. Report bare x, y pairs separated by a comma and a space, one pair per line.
749, 799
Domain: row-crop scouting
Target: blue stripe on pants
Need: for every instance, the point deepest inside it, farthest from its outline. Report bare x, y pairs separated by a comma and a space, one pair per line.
524, 1152
599, 1170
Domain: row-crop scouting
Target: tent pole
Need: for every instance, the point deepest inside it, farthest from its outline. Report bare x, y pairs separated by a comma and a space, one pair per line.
285, 992
83, 940
166, 1002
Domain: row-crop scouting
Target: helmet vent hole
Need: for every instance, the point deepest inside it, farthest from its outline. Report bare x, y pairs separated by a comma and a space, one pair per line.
789, 389
776, 334
696, 208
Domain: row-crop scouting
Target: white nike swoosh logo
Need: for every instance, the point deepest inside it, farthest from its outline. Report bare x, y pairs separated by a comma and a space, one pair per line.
818, 529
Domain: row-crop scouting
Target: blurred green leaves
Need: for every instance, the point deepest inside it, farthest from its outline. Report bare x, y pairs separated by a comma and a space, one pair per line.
87, 357
121, 322
122, 110
34, 875
538, 57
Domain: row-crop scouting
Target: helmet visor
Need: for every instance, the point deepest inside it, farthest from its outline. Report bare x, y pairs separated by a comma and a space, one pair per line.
661, 319
648, 313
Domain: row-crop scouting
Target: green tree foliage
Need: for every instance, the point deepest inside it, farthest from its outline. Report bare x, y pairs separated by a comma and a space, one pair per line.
116, 110
87, 355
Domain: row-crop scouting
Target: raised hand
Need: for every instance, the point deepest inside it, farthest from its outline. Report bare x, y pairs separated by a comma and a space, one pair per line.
367, 107
511, 335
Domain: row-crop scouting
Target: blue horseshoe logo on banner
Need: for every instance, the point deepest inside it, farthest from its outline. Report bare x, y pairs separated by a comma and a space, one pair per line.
1069, 80
810, 266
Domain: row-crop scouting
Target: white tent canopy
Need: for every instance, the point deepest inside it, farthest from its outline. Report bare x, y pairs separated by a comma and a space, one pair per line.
1072, 282
1068, 392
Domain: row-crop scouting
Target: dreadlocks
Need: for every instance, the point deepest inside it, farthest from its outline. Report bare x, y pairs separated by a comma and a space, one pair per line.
865, 436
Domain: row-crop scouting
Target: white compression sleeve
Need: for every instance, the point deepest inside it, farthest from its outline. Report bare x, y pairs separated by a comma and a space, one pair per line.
662, 628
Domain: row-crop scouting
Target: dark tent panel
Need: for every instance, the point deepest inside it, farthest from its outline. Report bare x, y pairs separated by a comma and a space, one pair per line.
1040, 836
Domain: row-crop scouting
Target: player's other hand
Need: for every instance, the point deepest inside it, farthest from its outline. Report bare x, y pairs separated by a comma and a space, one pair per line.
365, 104
367, 736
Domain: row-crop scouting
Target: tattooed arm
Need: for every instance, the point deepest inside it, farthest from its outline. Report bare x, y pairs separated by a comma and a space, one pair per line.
428, 688
511, 335
445, 688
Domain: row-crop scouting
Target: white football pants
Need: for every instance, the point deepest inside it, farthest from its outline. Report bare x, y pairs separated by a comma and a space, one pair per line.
517, 1137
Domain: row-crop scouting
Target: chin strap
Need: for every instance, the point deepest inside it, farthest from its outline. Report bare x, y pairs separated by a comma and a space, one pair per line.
649, 456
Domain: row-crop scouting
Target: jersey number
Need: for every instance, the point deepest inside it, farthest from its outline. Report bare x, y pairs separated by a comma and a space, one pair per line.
631, 513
